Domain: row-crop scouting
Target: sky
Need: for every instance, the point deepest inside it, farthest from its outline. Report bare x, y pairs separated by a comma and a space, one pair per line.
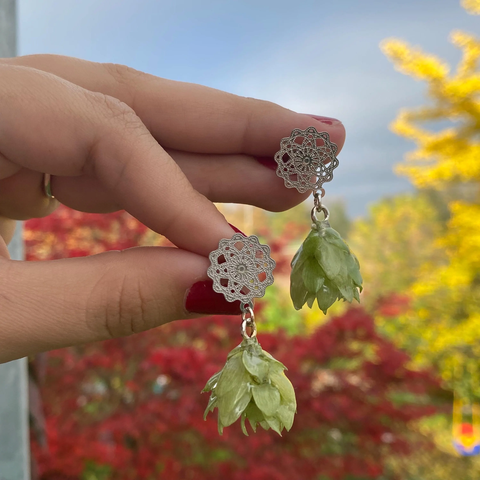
317, 57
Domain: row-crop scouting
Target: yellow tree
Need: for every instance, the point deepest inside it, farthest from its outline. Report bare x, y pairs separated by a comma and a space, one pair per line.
393, 241
445, 315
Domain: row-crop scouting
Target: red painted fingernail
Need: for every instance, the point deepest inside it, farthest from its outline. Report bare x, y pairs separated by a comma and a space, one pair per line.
326, 120
267, 162
201, 298
237, 230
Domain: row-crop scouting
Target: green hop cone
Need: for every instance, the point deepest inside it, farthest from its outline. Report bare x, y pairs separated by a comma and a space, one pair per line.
252, 386
324, 269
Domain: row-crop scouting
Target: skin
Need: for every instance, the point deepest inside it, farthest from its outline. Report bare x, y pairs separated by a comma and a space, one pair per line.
115, 138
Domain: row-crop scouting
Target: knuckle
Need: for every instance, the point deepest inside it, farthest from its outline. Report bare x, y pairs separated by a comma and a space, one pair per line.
122, 74
119, 304
125, 80
113, 108
117, 118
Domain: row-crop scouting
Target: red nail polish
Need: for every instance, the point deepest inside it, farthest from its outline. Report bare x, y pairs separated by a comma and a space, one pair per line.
267, 162
237, 230
201, 298
326, 120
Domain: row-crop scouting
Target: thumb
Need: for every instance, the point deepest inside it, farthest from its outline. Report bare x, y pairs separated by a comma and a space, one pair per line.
59, 303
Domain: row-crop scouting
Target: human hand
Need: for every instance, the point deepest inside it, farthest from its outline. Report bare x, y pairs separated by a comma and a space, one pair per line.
115, 138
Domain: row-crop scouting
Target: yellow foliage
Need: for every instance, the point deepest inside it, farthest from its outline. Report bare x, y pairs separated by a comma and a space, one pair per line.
472, 6
443, 325
414, 62
393, 242
452, 153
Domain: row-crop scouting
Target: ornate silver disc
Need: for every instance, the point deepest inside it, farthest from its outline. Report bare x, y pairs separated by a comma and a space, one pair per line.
306, 160
241, 268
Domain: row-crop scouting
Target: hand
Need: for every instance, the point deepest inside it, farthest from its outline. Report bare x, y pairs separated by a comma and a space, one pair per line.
115, 138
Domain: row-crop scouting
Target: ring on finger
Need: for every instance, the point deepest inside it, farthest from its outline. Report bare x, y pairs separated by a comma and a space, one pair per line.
47, 185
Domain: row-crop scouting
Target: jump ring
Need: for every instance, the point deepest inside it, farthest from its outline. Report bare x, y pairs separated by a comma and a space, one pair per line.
252, 325
322, 208
248, 322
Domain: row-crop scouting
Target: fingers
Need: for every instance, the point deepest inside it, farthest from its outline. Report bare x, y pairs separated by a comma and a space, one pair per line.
48, 305
48, 124
188, 117
23, 196
221, 178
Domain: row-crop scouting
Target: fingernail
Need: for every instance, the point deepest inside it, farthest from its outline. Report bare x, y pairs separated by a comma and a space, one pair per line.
267, 162
326, 120
237, 230
201, 298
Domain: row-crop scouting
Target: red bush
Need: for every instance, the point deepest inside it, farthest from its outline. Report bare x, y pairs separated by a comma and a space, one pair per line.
133, 407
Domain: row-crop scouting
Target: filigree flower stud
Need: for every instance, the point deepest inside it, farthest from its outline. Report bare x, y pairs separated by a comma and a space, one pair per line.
306, 160
241, 268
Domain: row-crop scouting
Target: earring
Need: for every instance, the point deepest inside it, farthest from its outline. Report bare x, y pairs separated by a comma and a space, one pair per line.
324, 269
252, 384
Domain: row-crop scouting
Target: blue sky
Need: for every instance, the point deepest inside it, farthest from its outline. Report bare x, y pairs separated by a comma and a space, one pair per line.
318, 57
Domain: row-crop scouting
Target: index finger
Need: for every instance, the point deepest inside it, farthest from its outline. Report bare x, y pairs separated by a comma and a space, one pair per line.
185, 116
51, 125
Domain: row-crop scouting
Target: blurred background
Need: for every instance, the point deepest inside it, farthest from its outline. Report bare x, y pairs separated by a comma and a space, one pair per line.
388, 390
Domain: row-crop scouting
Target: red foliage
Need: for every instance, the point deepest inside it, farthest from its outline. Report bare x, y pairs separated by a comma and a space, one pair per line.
393, 305
134, 403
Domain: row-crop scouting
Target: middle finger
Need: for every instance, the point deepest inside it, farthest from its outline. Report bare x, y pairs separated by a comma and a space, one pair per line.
221, 178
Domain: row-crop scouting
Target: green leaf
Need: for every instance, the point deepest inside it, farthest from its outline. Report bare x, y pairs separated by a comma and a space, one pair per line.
310, 245
346, 291
284, 386
275, 424
233, 404
311, 299
354, 270
330, 259
265, 425
327, 296
267, 398
254, 415
212, 382
242, 423
257, 365
231, 372
236, 351
356, 295
313, 276
253, 412
274, 360
298, 258
212, 403
298, 292
334, 238
286, 414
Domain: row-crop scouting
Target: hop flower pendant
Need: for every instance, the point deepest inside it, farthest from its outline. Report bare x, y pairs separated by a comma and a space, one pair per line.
324, 269
252, 385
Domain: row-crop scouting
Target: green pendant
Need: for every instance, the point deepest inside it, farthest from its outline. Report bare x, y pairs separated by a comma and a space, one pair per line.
324, 269
252, 385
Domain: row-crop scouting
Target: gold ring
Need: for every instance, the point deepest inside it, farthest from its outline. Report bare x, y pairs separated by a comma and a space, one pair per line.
47, 185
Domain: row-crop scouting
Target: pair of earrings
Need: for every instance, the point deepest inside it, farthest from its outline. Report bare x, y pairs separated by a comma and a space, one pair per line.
252, 385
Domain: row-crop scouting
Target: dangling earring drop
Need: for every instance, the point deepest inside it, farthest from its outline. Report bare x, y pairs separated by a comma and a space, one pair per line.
324, 269
252, 384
